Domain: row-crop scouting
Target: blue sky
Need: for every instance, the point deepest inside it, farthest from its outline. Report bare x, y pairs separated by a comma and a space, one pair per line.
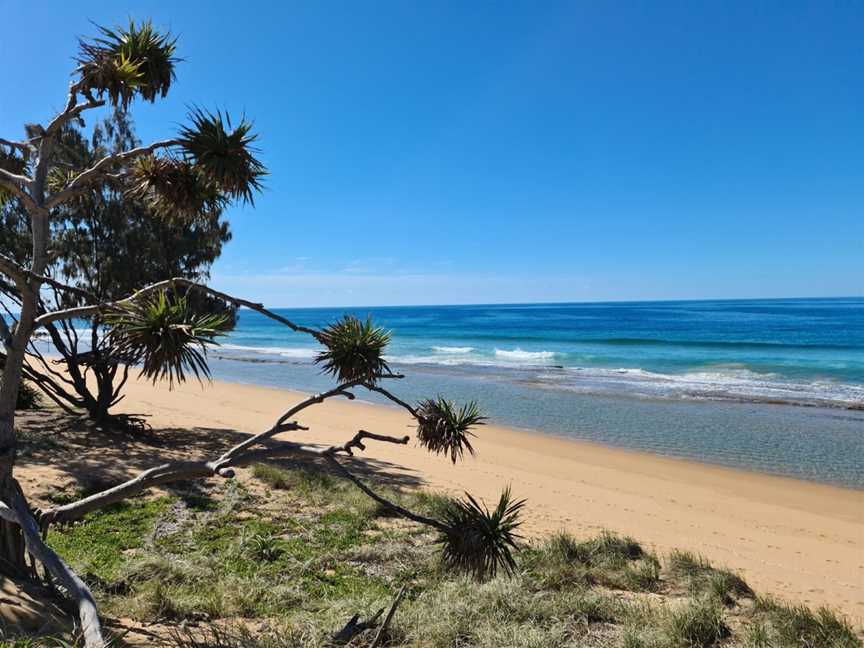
465, 152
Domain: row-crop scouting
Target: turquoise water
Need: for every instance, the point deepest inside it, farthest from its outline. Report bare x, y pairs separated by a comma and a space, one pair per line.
769, 385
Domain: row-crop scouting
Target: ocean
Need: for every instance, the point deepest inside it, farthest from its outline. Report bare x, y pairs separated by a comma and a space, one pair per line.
774, 385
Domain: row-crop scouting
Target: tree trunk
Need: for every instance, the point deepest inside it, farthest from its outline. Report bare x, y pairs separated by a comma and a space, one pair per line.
12, 559
12, 555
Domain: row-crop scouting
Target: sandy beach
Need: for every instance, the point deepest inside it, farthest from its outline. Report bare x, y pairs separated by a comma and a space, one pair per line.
799, 540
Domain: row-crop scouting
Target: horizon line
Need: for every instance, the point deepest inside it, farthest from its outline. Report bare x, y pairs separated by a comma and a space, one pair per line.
586, 303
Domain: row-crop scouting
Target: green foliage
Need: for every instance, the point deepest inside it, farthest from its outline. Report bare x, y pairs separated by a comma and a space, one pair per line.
174, 189
223, 153
702, 578
699, 624
295, 564
93, 239
608, 559
478, 541
442, 428
96, 545
264, 546
304, 481
165, 336
799, 626
354, 350
125, 62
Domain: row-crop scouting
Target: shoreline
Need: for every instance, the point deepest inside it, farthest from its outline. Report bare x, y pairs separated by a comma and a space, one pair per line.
798, 539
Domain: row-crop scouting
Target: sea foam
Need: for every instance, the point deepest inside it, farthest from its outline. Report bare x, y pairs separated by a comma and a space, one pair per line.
519, 355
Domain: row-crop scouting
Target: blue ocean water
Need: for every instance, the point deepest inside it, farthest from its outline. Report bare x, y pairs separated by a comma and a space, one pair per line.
770, 385
775, 386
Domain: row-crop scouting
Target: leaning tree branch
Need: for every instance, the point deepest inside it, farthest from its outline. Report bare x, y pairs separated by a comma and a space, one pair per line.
282, 423
101, 168
375, 388
17, 181
19, 514
15, 184
24, 147
238, 456
19, 273
73, 108
184, 470
416, 517
107, 307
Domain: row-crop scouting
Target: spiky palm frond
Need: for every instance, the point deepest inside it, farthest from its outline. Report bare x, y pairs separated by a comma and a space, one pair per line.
224, 153
165, 336
478, 541
442, 428
174, 189
354, 350
123, 62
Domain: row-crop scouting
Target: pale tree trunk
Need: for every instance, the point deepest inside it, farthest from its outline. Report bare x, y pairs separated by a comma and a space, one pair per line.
12, 554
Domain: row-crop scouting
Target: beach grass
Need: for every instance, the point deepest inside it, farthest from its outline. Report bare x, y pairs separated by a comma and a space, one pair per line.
288, 558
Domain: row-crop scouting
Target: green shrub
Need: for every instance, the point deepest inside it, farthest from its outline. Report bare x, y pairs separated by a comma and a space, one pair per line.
796, 625
698, 624
701, 577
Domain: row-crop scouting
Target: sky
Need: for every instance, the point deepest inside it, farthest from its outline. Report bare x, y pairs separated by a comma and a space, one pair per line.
479, 152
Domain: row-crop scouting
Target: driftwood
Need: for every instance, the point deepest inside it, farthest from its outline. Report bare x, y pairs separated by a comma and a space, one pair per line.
355, 626
382, 631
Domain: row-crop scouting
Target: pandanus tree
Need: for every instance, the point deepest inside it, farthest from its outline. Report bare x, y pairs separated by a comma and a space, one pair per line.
208, 165
92, 240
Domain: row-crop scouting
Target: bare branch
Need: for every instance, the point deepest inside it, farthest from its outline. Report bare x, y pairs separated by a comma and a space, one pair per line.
282, 424
15, 185
101, 168
354, 627
74, 586
238, 456
416, 517
357, 442
12, 269
24, 147
379, 637
394, 398
164, 474
73, 108
21, 274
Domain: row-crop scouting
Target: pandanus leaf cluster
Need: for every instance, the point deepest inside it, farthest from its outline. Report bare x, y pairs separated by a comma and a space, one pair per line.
174, 189
478, 541
127, 61
354, 350
166, 336
224, 153
444, 428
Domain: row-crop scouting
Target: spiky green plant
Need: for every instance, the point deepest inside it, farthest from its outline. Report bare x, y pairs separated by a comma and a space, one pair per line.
479, 541
174, 188
124, 62
223, 153
444, 428
355, 350
163, 334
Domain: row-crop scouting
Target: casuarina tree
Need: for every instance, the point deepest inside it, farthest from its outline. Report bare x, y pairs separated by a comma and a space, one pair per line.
209, 164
